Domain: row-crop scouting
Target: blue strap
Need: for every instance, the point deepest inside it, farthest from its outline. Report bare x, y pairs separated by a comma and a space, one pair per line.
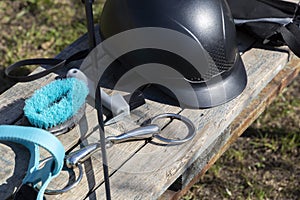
33, 138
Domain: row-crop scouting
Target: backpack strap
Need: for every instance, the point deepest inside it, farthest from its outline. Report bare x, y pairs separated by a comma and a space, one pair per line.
291, 35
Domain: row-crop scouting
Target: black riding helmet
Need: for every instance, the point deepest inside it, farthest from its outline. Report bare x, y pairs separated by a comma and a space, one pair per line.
208, 22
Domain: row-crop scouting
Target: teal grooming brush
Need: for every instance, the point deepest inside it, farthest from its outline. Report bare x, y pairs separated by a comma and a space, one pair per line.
58, 106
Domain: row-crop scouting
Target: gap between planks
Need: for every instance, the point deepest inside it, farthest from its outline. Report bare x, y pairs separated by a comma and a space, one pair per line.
240, 124
259, 63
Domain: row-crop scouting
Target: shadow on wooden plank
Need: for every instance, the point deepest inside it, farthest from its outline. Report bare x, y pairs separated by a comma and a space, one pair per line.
15, 107
14, 166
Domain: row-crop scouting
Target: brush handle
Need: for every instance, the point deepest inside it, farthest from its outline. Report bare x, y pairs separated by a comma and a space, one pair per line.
115, 103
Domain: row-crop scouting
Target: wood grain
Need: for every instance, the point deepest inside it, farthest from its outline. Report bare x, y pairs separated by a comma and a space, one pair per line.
138, 170
262, 66
239, 125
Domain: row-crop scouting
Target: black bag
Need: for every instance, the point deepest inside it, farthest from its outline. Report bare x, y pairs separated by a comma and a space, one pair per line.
276, 22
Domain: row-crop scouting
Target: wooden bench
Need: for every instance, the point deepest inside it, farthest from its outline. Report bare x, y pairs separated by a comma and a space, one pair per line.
140, 170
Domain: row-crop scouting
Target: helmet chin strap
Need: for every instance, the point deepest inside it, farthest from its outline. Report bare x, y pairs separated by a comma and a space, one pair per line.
98, 102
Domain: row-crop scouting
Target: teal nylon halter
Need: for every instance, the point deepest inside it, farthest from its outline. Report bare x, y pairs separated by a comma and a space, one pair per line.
32, 139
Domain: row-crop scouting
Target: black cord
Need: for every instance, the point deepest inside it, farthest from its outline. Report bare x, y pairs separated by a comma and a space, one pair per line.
98, 106
98, 102
90, 23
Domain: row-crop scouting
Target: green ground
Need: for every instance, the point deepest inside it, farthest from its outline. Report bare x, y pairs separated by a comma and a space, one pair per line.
263, 164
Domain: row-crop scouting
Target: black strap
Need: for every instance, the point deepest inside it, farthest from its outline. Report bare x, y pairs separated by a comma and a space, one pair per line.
291, 35
99, 108
55, 63
98, 102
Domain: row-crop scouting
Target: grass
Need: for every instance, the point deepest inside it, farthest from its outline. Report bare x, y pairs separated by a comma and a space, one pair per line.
263, 164
40, 28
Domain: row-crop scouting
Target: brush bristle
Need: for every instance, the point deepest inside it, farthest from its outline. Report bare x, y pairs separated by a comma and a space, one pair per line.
56, 102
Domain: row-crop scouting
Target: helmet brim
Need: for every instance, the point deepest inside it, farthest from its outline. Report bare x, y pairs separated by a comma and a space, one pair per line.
218, 90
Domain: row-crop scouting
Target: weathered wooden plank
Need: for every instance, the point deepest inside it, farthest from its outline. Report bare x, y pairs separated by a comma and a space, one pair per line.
15, 168
11, 115
239, 125
12, 101
118, 154
262, 66
11, 111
